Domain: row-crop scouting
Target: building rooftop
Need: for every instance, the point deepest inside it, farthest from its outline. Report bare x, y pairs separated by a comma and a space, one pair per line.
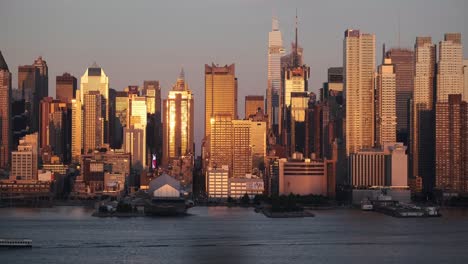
3, 64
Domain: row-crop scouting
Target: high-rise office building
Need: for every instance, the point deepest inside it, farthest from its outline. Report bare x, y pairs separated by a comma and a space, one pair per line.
54, 126
422, 119
451, 164
135, 133
77, 127
93, 121
220, 93
450, 67
120, 101
178, 122
28, 87
359, 69
253, 104
297, 122
95, 79
5, 114
24, 159
275, 52
385, 108
152, 91
65, 88
403, 61
41, 65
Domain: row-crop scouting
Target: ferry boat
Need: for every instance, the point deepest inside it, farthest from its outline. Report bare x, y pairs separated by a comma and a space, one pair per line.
15, 243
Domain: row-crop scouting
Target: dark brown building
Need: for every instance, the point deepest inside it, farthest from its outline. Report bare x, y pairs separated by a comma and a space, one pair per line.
403, 60
65, 89
452, 145
254, 103
55, 124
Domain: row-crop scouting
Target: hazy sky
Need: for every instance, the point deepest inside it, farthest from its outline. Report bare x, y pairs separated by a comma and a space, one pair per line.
145, 40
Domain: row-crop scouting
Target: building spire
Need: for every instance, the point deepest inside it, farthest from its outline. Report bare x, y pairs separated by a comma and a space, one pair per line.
182, 74
296, 59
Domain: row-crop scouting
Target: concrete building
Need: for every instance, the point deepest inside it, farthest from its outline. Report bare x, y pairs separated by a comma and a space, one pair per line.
120, 118
217, 183
96, 80
386, 166
422, 120
65, 87
24, 161
273, 93
451, 163
403, 61
5, 114
178, 122
450, 67
253, 104
220, 93
385, 110
465, 76
152, 92
304, 176
134, 143
359, 69
238, 187
55, 125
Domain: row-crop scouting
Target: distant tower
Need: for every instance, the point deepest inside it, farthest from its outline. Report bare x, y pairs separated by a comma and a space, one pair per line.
65, 88
385, 111
95, 79
178, 122
450, 67
5, 114
220, 93
92, 121
403, 60
359, 69
422, 115
275, 52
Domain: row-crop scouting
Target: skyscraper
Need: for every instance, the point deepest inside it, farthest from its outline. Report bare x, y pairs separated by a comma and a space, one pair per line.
95, 79
92, 121
403, 61
54, 126
152, 91
178, 125
41, 65
28, 86
253, 103
220, 93
385, 110
422, 117
359, 68
450, 67
65, 88
451, 164
120, 118
275, 52
5, 114
135, 133
77, 128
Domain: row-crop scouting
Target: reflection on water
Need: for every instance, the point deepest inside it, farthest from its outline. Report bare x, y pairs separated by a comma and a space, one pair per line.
234, 235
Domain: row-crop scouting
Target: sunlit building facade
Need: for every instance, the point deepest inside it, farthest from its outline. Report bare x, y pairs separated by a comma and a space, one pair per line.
273, 93
450, 67
93, 121
422, 120
359, 69
385, 110
178, 122
95, 79
253, 104
220, 93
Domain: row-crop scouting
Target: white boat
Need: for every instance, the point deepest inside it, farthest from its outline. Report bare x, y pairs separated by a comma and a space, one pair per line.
366, 205
15, 243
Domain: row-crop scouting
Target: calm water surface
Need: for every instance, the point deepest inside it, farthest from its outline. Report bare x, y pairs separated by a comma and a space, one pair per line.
233, 235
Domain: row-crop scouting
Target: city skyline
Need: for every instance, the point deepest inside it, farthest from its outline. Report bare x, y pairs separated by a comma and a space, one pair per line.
157, 53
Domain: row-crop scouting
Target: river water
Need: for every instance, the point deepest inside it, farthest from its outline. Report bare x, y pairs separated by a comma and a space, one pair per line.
233, 235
